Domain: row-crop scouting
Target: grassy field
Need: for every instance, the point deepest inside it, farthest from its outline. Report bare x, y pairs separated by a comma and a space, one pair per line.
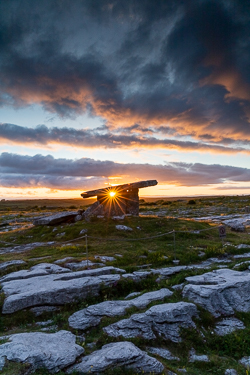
148, 245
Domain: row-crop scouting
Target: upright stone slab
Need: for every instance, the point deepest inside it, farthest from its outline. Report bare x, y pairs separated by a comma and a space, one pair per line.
117, 200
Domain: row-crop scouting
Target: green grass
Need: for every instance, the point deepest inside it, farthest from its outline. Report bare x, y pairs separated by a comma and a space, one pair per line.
159, 252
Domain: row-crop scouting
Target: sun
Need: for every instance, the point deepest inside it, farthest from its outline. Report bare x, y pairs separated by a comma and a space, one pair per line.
112, 194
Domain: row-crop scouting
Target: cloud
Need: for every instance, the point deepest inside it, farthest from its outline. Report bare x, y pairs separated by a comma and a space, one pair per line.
232, 188
87, 138
85, 173
180, 64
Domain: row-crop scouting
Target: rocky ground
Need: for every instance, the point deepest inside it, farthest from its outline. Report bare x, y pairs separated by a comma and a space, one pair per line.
158, 294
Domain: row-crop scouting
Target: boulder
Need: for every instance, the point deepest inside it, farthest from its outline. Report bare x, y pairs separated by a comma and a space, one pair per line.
245, 361
161, 320
122, 217
53, 351
235, 225
193, 357
104, 258
123, 228
228, 325
92, 315
59, 218
56, 289
221, 292
83, 231
120, 354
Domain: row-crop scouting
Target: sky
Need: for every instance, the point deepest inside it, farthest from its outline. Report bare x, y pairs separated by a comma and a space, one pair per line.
101, 92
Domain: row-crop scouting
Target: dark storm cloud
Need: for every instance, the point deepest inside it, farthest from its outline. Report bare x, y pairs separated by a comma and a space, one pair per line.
45, 171
42, 135
180, 63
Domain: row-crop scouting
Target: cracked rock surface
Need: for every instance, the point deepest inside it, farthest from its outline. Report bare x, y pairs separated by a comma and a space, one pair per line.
221, 292
41, 269
54, 351
228, 325
92, 315
116, 355
164, 320
55, 289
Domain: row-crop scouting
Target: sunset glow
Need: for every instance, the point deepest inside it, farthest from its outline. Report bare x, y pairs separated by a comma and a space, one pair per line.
131, 91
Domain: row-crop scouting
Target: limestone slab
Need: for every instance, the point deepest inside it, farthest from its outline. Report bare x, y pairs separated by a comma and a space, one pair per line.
5, 265
228, 325
221, 292
243, 246
41, 269
25, 247
104, 258
55, 289
164, 353
120, 354
163, 320
53, 351
239, 256
74, 266
92, 315
61, 261
235, 225
56, 219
